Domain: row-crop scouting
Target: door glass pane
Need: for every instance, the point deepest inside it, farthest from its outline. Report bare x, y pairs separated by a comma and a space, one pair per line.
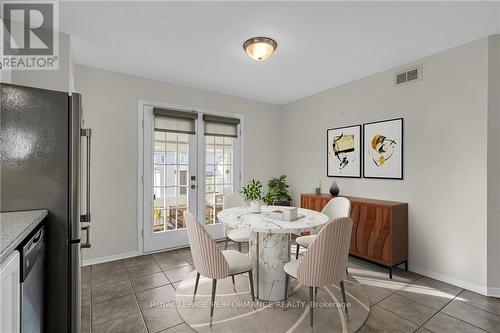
183, 156
159, 174
159, 209
183, 137
170, 180
170, 175
219, 154
219, 176
228, 174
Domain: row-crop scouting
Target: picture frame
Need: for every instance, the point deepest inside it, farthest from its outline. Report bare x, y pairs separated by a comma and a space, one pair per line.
383, 153
344, 151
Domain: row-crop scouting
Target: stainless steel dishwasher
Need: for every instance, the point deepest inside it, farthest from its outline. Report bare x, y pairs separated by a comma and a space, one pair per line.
33, 282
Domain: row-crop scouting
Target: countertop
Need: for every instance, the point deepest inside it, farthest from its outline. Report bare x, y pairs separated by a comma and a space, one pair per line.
15, 227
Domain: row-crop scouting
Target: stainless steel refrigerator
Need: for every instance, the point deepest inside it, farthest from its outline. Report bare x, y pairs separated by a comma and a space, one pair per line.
42, 146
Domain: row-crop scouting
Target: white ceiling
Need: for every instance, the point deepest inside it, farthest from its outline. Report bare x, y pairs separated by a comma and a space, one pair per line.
320, 45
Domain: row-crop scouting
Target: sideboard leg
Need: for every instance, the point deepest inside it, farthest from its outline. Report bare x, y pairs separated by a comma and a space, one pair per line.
406, 265
390, 273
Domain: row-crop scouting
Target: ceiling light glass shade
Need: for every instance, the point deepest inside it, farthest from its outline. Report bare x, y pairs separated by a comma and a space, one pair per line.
260, 48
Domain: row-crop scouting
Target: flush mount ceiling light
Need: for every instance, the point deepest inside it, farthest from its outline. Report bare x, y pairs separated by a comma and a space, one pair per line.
260, 48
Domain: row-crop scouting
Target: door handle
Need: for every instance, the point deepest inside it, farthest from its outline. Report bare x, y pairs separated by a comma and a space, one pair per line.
86, 244
87, 132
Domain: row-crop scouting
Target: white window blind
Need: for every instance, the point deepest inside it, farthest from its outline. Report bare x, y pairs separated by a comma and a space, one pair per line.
221, 126
175, 121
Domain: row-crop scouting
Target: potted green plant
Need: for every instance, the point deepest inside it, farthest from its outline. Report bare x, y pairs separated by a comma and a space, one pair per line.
252, 193
277, 194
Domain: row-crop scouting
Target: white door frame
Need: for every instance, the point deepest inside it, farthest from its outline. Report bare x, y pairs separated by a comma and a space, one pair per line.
214, 230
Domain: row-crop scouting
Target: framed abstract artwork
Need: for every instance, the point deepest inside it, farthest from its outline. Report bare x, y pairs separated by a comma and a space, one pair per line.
344, 152
383, 153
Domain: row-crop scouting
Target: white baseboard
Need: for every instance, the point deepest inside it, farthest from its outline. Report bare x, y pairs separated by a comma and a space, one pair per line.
100, 260
494, 292
483, 290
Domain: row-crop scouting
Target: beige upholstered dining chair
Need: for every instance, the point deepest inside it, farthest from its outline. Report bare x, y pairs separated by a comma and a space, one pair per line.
325, 261
236, 235
213, 263
336, 207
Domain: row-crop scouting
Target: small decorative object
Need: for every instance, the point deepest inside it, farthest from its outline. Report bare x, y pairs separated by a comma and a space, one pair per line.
277, 194
383, 154
334, 189
317, 191
290, 213
344, 152
252, 193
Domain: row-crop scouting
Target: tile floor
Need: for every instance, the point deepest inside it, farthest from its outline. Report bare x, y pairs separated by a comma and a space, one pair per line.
118, 296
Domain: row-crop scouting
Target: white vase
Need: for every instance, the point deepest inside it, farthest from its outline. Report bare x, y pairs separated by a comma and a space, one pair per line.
255, 206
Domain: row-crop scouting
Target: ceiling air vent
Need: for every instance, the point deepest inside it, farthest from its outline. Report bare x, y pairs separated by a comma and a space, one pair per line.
409, 75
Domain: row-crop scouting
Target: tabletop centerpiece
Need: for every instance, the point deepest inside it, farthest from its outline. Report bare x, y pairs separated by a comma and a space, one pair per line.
277, 194
252, 193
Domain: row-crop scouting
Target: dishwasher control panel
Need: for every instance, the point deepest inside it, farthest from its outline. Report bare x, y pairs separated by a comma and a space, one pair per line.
32, 250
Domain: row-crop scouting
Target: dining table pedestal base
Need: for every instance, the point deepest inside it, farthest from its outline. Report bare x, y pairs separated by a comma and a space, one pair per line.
269, 253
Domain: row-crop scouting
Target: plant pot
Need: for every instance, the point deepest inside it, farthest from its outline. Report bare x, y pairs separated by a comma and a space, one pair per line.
282, 203
255, 207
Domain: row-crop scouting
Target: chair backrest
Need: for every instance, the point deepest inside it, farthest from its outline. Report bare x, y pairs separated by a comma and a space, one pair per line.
207, 257
325, 261
232, 200
337, 207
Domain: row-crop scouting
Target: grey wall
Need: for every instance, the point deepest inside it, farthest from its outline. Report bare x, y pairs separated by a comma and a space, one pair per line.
445, 162
60, 80
494, 165
110, 102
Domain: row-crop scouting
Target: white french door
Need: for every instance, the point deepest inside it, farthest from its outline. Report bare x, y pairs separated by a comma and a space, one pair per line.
184, 168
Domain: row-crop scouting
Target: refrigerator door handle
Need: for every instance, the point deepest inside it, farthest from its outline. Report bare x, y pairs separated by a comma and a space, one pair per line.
86, 244
87, 132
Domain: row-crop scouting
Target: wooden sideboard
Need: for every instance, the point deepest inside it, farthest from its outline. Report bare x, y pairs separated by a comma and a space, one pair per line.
379, 230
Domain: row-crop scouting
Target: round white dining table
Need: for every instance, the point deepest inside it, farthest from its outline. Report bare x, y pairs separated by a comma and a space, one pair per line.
269, 247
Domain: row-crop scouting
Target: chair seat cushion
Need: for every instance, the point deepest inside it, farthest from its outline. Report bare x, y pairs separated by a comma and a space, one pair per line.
239, 235
237, 261
291, 268
305, 241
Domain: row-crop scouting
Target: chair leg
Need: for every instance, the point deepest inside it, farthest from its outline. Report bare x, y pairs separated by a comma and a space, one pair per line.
250, 278
234, 284
315, 292
311, 306
297, 254
212, 303
196, 285
239, 247
225, 245
287, 281
344, 298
